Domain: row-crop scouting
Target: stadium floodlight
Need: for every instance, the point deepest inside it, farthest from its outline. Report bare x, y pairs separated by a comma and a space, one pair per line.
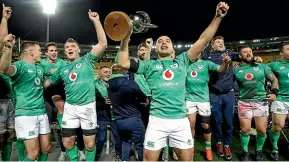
49, 7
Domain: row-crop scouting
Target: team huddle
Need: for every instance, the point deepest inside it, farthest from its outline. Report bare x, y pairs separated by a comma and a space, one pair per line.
151, 103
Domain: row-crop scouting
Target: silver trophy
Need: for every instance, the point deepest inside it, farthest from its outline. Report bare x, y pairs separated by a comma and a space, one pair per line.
141, 22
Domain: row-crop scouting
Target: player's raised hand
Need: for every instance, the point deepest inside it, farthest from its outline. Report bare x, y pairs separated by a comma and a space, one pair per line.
222, 9
6, 12
9, 41
93, 16
271, 97
258, 59
149, 42
226, 58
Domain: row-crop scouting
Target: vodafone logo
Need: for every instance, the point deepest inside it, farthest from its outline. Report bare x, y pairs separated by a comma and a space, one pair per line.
168, 74
194, 74
37, 81
73, 76
249, 76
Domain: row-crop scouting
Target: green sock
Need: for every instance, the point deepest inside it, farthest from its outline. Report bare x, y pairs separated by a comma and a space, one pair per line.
245, 138
260, 141
59, 119
166, 148
6, 154
208, 145
72, 154
90, 154
274, 137
21, 149
27, 159
42, 156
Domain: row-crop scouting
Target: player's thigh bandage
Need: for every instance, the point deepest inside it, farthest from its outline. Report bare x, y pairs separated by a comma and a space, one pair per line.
279, 107
90, 132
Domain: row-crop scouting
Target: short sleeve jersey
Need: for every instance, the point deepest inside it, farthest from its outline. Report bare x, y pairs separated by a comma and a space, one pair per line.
51, 66
197, 80
281, 69
28, 87
166, 79
78, 79
251, 81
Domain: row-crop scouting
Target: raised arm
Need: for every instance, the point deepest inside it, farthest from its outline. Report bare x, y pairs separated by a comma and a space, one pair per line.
6, 14
123, 57
149, 43
99, 48
5, 61
195, 51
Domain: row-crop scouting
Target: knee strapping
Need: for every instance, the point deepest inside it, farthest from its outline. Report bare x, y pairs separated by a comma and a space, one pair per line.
206, 120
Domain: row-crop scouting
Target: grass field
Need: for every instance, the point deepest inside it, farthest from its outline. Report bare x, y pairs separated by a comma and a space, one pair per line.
236, 149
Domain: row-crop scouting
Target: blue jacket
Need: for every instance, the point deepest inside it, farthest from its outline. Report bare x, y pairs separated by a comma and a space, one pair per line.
125, 96
221, 82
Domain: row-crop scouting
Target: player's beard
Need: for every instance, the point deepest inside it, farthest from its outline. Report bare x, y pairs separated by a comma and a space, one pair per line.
248, 59
141, 56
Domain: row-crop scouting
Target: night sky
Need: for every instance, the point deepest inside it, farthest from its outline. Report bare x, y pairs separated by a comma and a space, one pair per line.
181, 20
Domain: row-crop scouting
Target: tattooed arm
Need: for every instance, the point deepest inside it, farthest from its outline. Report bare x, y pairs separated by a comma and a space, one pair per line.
274, 89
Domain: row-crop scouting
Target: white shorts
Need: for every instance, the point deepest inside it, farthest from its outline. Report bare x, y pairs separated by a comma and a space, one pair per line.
248, 110
203, 108
28, 127
177, 130
279, 107
75, 116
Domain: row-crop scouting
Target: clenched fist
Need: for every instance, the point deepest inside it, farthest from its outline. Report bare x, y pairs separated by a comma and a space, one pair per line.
222, 9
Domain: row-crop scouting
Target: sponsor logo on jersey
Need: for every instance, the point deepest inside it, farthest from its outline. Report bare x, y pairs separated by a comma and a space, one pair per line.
256, 68
30, 70
37, 81
39, 71
73, 76
249, 76
288, 74
78, 65
241, 71
282, 67
194, 73
174, 66
168, 74
200, 66
159, 67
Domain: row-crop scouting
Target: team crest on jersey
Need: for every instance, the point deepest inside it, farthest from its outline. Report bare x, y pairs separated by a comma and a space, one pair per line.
174, 66
37, 81
200, 66
256, 68
249, 76
282, 67
73, 76
194, 74
78, 65
241, 71
168, 74
39, 71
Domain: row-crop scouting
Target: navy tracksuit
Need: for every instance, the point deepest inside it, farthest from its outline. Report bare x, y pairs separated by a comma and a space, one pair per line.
103, 120
222, 97
125, 96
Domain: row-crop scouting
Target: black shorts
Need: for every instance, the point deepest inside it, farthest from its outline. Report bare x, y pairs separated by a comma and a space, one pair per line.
54, 89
